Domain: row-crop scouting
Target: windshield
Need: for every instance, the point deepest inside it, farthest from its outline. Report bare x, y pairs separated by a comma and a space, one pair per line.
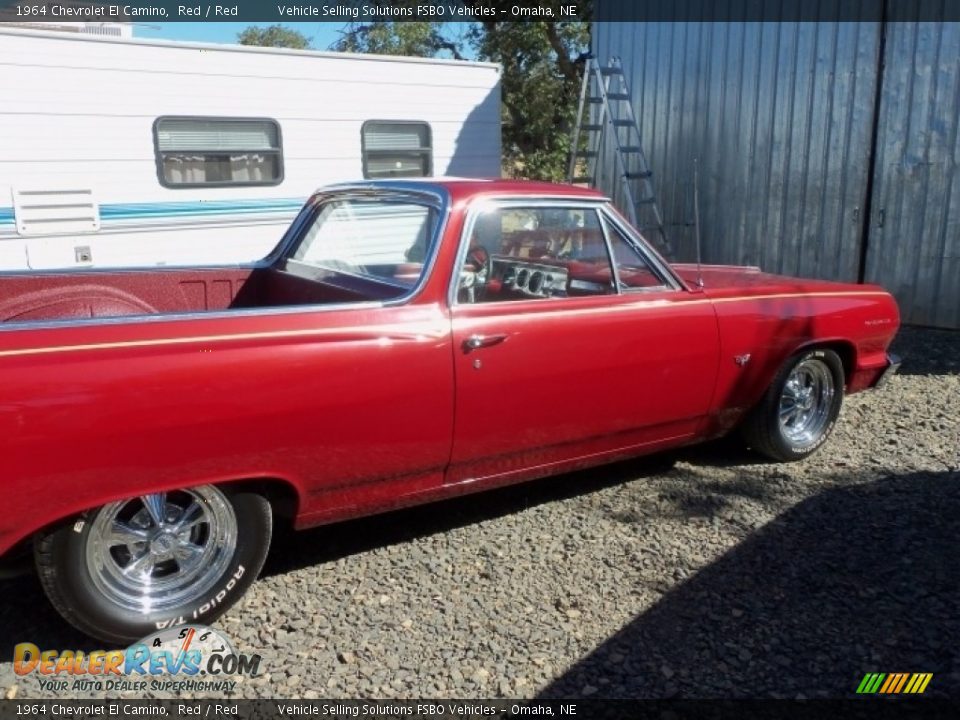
376, 238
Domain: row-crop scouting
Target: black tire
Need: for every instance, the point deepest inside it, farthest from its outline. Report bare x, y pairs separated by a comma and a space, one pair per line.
762, 429
61, 557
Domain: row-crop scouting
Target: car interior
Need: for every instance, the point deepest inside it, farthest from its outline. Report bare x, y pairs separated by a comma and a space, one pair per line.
545, 252
355, 250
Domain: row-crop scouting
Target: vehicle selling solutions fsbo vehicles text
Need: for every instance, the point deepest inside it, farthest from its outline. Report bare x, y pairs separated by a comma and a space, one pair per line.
451, 11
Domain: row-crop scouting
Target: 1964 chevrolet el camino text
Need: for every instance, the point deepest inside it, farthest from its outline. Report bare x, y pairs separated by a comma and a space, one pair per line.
406, 341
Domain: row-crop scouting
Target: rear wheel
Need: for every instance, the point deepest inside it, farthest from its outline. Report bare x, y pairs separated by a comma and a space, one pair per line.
798, 411
131, 567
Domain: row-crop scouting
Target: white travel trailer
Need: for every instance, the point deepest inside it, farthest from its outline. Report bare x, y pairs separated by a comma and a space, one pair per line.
121, 152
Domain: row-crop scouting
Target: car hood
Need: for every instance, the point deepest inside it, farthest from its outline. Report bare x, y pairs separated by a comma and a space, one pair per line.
724, 280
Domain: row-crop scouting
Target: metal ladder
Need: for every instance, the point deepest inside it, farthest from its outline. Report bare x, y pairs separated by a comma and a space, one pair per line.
606, 92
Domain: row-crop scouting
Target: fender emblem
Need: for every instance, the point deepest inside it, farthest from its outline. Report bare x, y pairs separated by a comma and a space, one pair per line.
741, 360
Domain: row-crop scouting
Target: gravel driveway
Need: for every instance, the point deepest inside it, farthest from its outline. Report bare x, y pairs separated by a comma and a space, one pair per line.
720, 576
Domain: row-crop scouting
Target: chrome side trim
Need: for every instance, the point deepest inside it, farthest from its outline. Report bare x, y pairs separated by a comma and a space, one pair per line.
174, 317
380, 331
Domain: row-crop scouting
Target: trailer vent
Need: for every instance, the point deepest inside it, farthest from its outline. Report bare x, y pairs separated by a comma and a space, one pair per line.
55, 212
102, 30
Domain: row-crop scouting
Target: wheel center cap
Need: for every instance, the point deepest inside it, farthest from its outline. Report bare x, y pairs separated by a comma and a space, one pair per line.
162, 544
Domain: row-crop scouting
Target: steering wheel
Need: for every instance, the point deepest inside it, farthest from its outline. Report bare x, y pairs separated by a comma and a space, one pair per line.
476, 281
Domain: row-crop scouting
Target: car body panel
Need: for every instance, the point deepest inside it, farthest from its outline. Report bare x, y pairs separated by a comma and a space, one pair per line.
286, 397
361, 407
578, 375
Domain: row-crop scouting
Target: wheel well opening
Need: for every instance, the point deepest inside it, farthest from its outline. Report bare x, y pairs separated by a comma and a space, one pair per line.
283, 497
847, 356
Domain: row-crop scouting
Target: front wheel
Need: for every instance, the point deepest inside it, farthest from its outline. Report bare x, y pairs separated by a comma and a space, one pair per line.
799, 409
134, 566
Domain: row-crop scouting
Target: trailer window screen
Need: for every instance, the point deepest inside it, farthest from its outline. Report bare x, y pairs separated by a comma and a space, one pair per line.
396, 149
195, 152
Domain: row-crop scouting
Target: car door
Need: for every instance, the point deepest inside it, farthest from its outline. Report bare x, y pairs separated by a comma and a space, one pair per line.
586, 359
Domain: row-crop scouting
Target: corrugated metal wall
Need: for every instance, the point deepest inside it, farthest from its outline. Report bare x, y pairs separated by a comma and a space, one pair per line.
781, 116
914, 234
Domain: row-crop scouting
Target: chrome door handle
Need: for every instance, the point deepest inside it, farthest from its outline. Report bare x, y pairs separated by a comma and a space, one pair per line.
475, 342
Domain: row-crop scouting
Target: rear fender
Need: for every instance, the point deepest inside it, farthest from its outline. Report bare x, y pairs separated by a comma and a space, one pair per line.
13, 537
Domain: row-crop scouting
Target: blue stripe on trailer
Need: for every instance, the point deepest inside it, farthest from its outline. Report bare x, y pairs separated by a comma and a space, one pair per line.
197, 208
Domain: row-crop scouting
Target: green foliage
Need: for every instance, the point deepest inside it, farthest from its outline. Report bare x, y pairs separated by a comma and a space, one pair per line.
276, 36
384, 37
540, 90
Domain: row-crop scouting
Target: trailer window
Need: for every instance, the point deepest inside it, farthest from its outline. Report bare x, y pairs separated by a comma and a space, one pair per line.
194, 152
396, 149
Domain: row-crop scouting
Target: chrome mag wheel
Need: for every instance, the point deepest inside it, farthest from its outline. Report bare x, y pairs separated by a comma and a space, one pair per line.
157, 552
806, 403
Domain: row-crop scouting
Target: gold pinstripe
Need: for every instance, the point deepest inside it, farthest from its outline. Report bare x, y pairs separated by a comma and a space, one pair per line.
161, 341
280, 334
779, 296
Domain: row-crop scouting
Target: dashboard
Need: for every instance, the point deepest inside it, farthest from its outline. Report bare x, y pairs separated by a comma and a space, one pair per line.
531, 278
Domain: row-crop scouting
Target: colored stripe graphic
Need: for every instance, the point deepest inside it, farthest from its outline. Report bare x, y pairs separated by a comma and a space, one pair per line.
120, 211
892, 679
894, 683
132, 211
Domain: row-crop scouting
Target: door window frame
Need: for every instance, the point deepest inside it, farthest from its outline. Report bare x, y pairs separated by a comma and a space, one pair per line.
658, 267
602, 207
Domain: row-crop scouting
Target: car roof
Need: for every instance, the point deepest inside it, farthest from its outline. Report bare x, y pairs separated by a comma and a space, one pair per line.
464, 188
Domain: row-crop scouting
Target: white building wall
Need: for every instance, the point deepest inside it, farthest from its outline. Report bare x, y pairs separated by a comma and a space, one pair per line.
79, 111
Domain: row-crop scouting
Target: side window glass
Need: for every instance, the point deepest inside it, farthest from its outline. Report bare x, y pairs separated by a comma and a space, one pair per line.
370, 238
530, 253
632, 267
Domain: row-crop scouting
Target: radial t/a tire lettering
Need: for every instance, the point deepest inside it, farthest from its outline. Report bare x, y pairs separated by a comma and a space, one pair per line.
129, 568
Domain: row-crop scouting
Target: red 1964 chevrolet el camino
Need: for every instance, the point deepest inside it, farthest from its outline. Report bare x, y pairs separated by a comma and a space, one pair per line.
406, 341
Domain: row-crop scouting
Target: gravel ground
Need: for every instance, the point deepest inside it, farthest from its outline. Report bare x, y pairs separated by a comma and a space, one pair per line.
718, 576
